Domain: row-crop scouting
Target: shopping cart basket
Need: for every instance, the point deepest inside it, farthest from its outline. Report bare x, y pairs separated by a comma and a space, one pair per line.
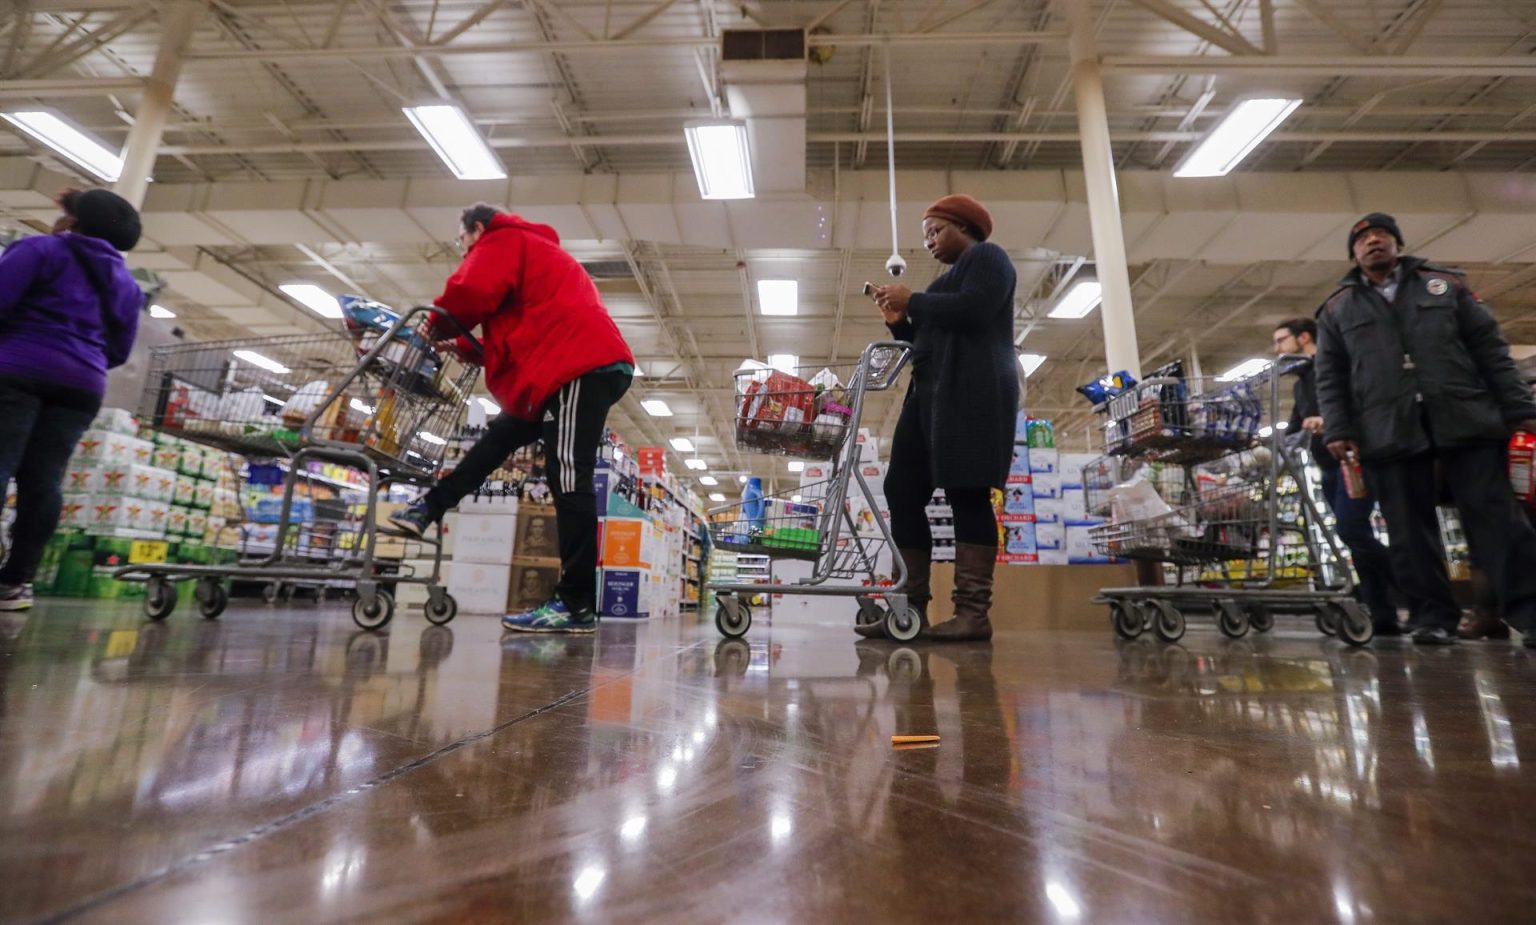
384, 405
780, 413
1241, 533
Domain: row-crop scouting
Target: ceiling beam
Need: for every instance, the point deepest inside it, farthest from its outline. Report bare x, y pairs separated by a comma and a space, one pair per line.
1282, 66
69, 86
1230, 42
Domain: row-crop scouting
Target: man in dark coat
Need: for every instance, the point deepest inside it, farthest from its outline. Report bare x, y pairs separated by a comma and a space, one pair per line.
1412, 370
957, 422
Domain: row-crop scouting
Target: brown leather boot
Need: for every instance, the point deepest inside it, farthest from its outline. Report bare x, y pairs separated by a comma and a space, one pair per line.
919, 564
973, 596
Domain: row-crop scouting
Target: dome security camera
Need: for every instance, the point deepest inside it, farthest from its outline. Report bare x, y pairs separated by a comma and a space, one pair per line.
896, 266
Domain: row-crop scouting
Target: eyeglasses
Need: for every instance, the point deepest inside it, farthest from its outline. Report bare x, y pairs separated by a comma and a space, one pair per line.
933, 231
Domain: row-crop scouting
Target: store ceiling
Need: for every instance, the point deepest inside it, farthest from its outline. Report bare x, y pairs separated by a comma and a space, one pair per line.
287, 157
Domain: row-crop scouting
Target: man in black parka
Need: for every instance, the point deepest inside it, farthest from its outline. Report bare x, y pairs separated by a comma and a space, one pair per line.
957, 423
1412, 370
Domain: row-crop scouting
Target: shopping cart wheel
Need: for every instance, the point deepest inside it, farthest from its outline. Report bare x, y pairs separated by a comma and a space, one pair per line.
733, 618
273, 592
1260, 618
904, 665
1231, 620
1168, 622
159, 599
437, 615
212, 598
1127, 619
1327, 620
376, 615
903, 627
869, 612
1353, 623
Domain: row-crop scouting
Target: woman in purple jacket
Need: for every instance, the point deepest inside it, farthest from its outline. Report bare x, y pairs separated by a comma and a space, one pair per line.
69, 311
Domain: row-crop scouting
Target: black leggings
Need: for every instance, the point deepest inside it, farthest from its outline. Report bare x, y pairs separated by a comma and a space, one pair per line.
40, 424
909, 486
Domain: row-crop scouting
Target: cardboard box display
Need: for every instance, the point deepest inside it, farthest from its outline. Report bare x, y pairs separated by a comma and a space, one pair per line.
1074, 504
1079, 546
1053, 557
531, 582
176, 520
814, 472
1043, 460
1072, 466
874, 477
202, 494
1020, 462
944, 530
537, 536
479, 588
185, 492
1046, 484
116, 421
103, 448
943, 550
501, 499
622, 542
1018, 499
1020, 539
487, 539
1050, 536
623, 592
168, 456
1048, 510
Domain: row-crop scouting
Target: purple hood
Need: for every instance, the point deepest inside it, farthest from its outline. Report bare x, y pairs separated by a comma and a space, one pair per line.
53, 325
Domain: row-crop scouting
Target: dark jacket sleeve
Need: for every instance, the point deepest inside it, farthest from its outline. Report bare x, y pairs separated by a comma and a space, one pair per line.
1332, 366
1490, 351
989, 277
903, 330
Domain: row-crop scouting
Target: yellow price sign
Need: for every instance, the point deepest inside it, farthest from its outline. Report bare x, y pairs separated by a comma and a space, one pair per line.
147, 552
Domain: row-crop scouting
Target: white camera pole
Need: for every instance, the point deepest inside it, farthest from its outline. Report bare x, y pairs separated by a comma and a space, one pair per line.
894, 266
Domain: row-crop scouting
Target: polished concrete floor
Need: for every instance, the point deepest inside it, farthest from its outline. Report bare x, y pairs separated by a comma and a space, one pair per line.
277, 766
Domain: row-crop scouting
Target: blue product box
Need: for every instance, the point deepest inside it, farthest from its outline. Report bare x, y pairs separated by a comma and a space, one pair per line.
1020, 540
1020, 464
619, 594
1019, 499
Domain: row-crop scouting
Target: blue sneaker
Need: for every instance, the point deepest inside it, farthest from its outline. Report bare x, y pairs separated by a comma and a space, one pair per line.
415, 520
552, 616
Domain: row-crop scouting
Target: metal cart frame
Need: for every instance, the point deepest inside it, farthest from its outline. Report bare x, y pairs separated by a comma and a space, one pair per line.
834, 522
374, 606
1246, 602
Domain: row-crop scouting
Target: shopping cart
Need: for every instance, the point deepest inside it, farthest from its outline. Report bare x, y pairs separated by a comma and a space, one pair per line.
780, 414
1221, 498
384, 405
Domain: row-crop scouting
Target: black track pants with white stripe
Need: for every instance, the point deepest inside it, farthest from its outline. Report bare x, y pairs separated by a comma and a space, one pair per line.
571, 427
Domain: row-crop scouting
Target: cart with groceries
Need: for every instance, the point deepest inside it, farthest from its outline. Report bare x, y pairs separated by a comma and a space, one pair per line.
814, 418
1199, 476
379, 397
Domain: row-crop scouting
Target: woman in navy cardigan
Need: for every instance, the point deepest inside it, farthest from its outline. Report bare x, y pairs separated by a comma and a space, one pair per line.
957, 421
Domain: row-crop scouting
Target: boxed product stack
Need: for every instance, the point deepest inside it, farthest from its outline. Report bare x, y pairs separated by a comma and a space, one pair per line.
485, 536
1046, 486
112, 487
1074, 511
626, 554
535, 566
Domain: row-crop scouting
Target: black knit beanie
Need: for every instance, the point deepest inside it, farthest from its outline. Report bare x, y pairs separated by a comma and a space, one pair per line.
101, 213
1374, 220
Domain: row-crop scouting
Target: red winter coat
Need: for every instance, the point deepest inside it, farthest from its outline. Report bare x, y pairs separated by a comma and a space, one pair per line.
543, 323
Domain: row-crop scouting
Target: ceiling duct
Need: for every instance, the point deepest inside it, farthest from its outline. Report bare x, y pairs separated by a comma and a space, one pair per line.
764, 72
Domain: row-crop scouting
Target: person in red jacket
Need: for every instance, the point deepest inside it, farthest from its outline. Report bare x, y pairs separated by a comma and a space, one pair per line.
555, 361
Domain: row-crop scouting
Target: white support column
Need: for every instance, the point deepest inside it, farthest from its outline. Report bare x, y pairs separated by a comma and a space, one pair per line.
1120, 350
178, 19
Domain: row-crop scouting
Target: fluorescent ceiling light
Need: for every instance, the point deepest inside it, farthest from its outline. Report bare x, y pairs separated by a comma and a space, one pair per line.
490, 407
682, 444
796, 465
721, 162
716, 496
797, 499
1082, 298
357, 405
160, 311
256, 359
696, 464
778, 296
656, 408
639, 373
742, 479
69, 141
313, 298
784, 362
1031, 362
432, 438
1244, 370
450, 133
1249, 123
709, 480
272, 401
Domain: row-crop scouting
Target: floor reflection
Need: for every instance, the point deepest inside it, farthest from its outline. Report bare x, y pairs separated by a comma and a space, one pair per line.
279, 766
